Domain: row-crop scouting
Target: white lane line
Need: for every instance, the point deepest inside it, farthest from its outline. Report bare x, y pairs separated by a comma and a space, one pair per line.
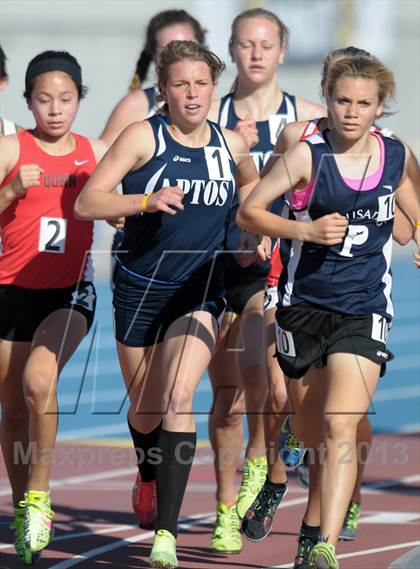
191, 521
356, 553
81, 534
198, 519
58, 483
411, 428
411, 479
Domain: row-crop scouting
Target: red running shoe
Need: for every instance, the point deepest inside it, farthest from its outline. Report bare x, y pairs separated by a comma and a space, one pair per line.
144, 502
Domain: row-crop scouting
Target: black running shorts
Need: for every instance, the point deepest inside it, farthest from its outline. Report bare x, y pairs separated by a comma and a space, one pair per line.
23, 309
306, 335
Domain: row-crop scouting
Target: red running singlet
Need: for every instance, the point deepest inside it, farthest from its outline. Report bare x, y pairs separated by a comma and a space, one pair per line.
42, 244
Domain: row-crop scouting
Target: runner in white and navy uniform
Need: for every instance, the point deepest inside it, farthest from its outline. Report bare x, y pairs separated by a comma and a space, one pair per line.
6, 126
178, 283
139, 103
179, 179
258, 109
335, 288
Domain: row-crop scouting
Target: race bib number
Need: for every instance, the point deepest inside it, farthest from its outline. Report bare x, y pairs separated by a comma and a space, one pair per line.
84, 297
285, 343
379, 328
52, 235
386, 209
276, 124
217, 161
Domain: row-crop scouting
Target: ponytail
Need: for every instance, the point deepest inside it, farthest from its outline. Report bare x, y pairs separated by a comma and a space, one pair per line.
142, 68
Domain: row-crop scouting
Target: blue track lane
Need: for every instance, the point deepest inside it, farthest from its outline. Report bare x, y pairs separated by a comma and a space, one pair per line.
91, 391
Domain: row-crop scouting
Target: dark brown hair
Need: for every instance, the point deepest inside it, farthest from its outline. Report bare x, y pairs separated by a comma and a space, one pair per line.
158, 22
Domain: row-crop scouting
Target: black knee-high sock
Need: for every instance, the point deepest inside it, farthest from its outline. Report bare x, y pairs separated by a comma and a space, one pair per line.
172, 473
143, 442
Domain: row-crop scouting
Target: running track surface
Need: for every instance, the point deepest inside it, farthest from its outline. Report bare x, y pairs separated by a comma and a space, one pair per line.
92, 478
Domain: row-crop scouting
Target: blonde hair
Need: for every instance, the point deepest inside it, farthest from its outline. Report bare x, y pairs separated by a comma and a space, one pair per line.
335, 55
258, 13
178, 51
261, 13
367, 68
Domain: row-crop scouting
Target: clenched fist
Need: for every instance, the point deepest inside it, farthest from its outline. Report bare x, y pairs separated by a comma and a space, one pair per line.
28, 175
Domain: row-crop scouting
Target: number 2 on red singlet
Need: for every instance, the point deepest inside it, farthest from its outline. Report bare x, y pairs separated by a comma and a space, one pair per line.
52, 235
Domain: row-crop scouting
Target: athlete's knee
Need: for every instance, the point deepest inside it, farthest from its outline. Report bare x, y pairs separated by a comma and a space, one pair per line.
39, 391
341, 427
180, 401
276, 397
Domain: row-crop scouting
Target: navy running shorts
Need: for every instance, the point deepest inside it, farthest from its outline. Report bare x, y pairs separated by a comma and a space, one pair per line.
144, 308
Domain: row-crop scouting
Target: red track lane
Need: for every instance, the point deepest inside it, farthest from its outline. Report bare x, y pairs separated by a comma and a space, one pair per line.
94, 516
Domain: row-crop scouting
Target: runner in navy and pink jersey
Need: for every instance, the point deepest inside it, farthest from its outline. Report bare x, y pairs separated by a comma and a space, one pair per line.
335, 287
47, 298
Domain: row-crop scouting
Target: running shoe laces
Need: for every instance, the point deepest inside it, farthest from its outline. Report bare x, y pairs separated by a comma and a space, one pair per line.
351, 521
226, 536
17, 526
255, 472
352, 515
305, 545
257, 522
291, 449
38, 528
322, 556
163, 552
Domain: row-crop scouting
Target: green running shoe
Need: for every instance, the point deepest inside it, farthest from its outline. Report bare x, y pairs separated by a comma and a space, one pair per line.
163, 552
226, 536
255, 472
38, 529
25, 555
322, 556
351, 521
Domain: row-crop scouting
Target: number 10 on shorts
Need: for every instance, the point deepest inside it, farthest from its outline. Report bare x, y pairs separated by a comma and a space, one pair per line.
285, 343
52, 235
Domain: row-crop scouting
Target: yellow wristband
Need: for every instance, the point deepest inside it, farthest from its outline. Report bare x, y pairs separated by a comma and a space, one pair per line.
417, 223
143, 203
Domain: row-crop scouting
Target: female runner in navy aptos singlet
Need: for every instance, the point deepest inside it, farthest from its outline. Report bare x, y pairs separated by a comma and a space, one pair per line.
179, 179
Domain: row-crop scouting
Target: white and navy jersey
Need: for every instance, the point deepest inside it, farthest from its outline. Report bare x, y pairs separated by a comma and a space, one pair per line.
176, 248
151, 93
353, 277
268, 132
7, 127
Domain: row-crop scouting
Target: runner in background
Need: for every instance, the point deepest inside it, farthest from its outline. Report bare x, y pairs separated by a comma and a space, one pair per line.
168, 306
258, 109
140, 103
47, 298
6, 125
317, 301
